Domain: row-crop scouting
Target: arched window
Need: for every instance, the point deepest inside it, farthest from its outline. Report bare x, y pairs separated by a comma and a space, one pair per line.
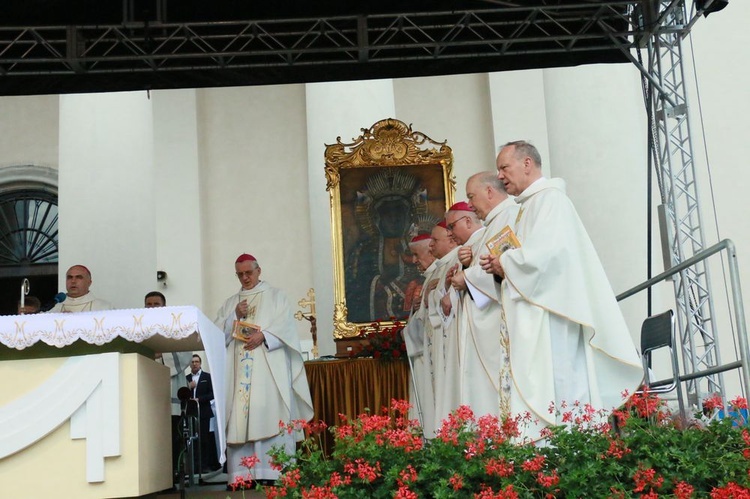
28, 234
28, 228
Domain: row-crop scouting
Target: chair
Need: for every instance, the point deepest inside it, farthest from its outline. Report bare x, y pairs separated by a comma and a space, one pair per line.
657, 332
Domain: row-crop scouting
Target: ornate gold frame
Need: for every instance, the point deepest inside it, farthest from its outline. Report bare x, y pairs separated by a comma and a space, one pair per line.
390, 149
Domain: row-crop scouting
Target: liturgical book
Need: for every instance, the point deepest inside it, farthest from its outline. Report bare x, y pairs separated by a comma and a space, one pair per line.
503, 241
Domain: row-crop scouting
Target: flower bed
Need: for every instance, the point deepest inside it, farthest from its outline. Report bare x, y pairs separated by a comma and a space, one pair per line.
639, 450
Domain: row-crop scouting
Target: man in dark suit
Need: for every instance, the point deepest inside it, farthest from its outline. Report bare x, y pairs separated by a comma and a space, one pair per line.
203, 392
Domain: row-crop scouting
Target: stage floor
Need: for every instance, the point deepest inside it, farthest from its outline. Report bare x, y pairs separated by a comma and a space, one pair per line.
209, 491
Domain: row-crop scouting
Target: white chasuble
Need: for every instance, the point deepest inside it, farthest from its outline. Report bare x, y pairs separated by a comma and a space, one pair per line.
444, 347
418, 337
568, 338
85, 303
242, 360
485, 371
264, 386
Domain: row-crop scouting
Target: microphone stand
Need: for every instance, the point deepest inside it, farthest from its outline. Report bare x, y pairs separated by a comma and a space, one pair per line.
187, 432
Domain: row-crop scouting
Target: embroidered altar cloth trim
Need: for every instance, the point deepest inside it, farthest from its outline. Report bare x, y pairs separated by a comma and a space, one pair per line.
152, 326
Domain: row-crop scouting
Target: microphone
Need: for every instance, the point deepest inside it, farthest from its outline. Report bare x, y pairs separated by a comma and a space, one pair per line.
187, 406
59, 298
184, 393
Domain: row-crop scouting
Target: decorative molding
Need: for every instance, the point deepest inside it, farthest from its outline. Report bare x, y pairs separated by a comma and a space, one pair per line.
388, 142
28, 177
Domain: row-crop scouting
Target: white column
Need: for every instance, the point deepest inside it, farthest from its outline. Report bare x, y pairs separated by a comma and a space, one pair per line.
177, 201
453, 108
597, 143
519, 110
106, 193
335, 109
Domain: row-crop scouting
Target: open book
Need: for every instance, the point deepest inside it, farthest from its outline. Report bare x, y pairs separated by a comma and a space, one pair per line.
502, 241
241, 330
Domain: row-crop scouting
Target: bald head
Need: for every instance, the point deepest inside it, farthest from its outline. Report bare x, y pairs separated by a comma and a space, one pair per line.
485, 191
441, 242
77, 281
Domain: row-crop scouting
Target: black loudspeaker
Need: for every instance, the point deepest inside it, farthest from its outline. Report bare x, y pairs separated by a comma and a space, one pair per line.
714, 6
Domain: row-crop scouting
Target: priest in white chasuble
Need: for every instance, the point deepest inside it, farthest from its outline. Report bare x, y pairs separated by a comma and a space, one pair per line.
485, 373
445, 250
266, 380
568, 338
421, 396
78, 297
467, 231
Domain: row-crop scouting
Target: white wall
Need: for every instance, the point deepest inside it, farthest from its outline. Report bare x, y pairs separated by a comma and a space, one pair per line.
254, 196
519, 111
106, 195
597, 143
177, 198
28, 130
720, 110
453, 109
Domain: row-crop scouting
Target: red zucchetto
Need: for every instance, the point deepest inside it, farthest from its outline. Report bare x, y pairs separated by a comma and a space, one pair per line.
460, 206
419, 237
442, 224
244, 257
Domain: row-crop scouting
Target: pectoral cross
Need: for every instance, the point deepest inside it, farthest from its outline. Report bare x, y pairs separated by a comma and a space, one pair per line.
310, 316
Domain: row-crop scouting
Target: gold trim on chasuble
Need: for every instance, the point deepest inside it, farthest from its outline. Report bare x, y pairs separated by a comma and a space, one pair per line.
243, 359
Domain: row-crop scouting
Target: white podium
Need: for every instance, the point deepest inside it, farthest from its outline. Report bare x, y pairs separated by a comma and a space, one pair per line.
81, 413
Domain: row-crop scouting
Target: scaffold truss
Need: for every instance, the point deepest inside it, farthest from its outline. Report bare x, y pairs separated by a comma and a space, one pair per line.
162, 54
672, 149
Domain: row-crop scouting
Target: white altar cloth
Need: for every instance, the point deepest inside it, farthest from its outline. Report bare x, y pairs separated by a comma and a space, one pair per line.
164, 329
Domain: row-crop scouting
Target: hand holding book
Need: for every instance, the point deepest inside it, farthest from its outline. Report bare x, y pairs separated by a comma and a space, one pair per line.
503, 241
498, 244
242, 330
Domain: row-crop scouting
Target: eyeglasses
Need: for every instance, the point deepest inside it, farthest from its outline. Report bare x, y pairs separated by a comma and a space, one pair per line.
246, 273
451, 226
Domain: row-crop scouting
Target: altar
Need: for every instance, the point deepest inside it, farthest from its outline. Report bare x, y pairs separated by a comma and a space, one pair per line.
350, 386
85, 407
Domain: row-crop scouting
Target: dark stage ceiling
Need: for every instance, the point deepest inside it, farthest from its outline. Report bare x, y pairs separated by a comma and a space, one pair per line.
57, 46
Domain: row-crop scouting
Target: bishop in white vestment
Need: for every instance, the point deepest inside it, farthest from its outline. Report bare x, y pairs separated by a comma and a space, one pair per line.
421, 395
568, 338
485, 372
467, 230
266, 379
443, 365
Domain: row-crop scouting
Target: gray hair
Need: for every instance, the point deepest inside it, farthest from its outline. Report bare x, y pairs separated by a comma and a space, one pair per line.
489, 178
523, 149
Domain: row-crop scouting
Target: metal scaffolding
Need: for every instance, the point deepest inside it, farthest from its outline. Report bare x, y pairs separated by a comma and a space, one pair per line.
163, 54
671, 146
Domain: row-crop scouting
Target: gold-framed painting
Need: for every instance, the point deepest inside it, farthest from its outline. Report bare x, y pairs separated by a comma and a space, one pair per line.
386, 186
